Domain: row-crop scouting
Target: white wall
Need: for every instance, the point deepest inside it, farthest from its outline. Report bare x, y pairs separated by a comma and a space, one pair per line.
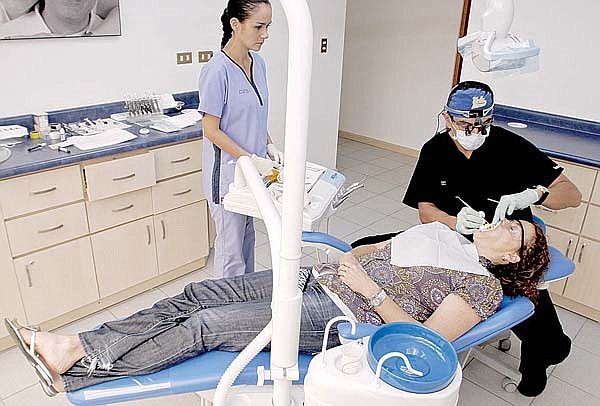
398, 67
49, 74
568, 35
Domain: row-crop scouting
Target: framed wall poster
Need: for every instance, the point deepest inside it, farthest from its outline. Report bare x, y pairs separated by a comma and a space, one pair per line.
27, 19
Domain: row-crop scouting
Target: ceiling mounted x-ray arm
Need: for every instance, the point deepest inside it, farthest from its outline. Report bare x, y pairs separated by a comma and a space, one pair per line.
494, 48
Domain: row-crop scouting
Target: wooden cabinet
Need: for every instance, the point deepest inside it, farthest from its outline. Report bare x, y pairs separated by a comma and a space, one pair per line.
125, 256
72, 245
10, 297
57, 280
182, 236
576, 232
583, 286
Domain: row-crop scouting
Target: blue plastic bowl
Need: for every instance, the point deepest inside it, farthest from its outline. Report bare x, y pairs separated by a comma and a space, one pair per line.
426, 350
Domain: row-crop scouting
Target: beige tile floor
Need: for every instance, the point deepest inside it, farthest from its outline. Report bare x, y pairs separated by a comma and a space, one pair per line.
375, 209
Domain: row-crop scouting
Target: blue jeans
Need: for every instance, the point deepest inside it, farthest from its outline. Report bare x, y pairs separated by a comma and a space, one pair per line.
219, 314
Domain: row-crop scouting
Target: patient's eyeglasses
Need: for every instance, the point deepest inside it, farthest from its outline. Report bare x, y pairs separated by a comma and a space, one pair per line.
517, 230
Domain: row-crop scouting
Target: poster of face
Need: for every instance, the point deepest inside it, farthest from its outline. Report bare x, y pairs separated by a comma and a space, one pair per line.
22, 19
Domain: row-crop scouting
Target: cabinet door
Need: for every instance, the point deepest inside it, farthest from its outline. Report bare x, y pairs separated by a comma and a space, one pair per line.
565, 243
10, 297
57, 280
125, 256
570, 219
583, 177
182, 236
583, 286
591, 227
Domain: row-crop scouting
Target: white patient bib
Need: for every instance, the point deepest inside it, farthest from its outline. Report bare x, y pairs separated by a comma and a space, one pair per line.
436, 245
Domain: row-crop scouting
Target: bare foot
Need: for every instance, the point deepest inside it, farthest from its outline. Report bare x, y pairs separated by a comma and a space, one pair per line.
58, 352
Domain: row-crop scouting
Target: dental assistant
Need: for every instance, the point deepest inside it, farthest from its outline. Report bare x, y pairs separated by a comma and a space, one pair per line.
234, 102
477, 161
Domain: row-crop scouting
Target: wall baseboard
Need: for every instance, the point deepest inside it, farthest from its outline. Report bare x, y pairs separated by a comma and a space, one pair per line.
378, 143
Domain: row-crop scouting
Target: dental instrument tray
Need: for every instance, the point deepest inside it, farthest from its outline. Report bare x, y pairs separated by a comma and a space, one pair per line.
4, 154
321, 185
432, 359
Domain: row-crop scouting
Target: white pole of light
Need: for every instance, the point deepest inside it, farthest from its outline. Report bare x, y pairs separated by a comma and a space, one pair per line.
287, 299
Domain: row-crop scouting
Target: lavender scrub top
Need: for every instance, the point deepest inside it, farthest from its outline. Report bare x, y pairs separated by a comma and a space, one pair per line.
242, 104
418, 290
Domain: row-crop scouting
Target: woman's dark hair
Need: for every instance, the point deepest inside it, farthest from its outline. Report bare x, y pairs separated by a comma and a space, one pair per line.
240, 9
522, 278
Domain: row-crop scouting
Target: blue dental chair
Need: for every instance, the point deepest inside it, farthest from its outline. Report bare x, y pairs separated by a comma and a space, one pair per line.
204, 372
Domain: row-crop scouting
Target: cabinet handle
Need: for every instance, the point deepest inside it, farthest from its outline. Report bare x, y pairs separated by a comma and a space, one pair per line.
47, 230
42, 192
28, 272
164, 229
581, 253
149, 231
182, 193
131, 175
178, 161
123, 208
544, 208
568, 247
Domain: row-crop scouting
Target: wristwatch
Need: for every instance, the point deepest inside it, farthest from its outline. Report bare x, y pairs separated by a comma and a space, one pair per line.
378, 299
545, 193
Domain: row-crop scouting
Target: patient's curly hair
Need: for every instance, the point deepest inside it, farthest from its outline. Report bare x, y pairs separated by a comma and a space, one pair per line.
522, 278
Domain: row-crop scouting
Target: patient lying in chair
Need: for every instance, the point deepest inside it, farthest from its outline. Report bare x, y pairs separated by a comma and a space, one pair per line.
375, 284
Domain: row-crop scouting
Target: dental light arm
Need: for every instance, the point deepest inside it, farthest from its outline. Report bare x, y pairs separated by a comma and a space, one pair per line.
494, 48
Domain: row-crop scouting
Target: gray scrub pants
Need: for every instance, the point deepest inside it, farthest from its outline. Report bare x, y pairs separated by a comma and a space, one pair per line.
219, 314
234, 242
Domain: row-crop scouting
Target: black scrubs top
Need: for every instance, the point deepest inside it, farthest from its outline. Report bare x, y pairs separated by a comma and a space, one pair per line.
505, 164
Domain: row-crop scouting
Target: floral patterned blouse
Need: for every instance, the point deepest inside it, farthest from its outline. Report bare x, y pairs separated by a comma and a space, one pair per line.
418, 290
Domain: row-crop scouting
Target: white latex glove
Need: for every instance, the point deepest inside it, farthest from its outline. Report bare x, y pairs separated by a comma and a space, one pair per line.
516, 201
263, 166
274, 153
468, 220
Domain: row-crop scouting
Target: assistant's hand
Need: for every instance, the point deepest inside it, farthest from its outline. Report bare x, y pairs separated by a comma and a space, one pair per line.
353, 274
263, 166
468, 220
516, 201
274, 153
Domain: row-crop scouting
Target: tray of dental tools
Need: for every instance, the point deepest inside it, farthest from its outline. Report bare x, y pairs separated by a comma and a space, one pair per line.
89, 127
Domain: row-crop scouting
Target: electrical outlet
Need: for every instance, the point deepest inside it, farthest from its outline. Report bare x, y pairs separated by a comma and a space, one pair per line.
204, 56
323, 45
184, 57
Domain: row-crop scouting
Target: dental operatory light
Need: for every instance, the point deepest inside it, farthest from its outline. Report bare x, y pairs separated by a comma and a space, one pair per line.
494, 48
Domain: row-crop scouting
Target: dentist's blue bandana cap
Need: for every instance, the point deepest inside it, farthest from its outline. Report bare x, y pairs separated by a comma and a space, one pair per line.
470, 99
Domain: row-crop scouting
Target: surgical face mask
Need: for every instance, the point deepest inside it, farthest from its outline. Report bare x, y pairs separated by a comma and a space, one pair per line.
472, 141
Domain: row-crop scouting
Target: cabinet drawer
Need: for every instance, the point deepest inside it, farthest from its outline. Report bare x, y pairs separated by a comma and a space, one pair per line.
570, 219
178, 159
57, 280
177, 192
591, 227
119, 209
40, 191
581, 176
47, 228
123, 175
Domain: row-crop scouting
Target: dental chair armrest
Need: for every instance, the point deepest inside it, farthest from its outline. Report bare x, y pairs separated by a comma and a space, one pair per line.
325, 239
362, 330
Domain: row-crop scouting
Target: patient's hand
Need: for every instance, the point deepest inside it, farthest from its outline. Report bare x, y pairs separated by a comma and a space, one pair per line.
353, 274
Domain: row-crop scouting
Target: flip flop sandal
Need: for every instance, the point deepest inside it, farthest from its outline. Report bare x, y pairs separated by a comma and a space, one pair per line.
41, 370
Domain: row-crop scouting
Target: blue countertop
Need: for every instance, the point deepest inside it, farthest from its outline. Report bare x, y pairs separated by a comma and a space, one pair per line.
560, 137
22, 161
